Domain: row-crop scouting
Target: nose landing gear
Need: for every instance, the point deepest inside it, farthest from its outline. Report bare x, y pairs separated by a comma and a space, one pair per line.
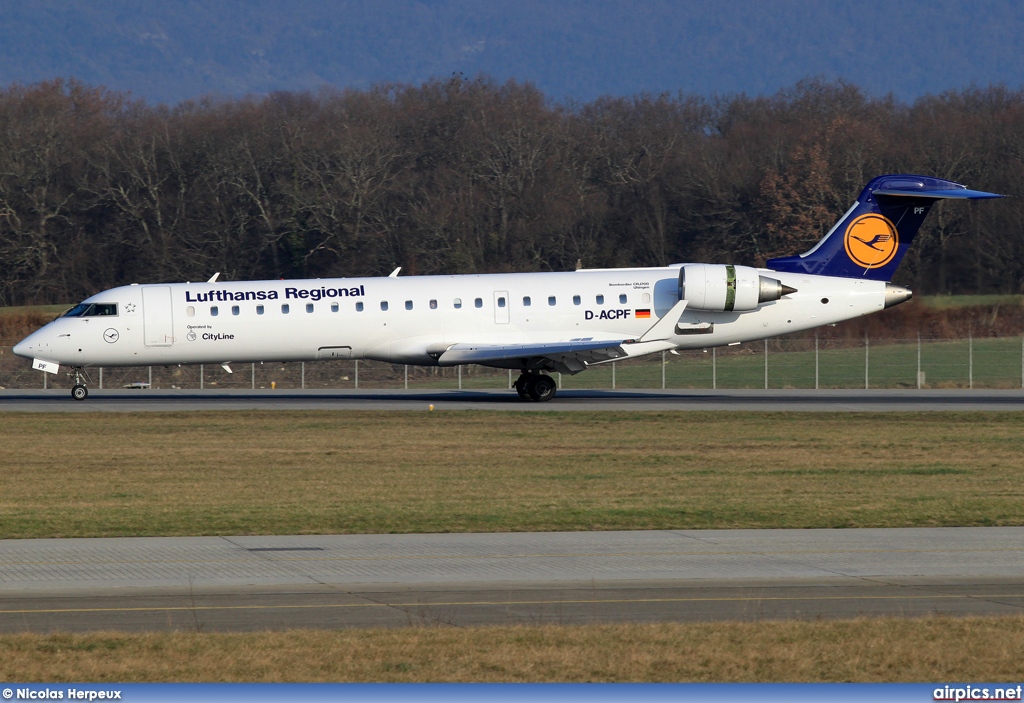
537, 387
79, 391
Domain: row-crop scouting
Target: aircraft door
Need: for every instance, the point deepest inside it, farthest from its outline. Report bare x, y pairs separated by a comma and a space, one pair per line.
501, 304
157, 320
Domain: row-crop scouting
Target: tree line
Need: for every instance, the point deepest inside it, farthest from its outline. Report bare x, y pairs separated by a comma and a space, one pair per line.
471, 176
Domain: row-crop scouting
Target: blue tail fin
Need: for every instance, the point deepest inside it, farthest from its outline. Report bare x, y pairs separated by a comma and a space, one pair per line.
871, 238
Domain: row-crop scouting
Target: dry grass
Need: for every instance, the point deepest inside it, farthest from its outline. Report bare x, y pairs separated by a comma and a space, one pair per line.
892, 650
357, 472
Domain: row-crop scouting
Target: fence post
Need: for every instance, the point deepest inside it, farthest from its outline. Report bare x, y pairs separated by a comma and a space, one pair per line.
663, 371
867, 358
200, 377
46, 374
510, 379
766, 364
302, 374
254, 375
357, 374
559, 380
460, 377
613, 375
101, 378
714, 368
407, 377
150, 378
970, 358
918, 361
815, 359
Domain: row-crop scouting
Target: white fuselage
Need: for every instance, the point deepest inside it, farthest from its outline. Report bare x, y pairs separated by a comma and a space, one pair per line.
402, 319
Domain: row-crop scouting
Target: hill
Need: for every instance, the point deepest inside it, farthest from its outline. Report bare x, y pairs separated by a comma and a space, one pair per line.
174, 50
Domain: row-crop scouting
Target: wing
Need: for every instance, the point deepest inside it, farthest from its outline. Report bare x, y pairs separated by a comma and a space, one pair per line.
565, 357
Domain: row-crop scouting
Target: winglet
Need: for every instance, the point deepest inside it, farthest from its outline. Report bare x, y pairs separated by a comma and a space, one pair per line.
666, 326
213, 278
394, 274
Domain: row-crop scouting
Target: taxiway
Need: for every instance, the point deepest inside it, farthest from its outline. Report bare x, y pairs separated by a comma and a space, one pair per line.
333, 581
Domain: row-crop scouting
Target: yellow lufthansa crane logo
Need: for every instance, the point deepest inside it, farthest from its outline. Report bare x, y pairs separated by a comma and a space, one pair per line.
871, 241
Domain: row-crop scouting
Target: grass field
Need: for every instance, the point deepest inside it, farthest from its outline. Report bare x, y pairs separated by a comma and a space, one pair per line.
78, 475
891, 650
946, 302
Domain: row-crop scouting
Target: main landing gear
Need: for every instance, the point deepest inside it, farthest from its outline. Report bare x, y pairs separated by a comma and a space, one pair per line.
538, 387
79, 391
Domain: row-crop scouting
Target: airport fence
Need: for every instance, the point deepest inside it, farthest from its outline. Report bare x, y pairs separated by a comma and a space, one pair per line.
785, 362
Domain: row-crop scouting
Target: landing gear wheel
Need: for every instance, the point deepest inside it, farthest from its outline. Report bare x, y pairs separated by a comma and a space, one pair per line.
541, 388
79, 392
521, 385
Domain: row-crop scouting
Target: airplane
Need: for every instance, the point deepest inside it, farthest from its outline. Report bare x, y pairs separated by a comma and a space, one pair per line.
536, 323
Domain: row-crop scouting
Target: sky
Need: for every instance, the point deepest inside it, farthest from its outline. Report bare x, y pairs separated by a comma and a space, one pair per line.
573, 50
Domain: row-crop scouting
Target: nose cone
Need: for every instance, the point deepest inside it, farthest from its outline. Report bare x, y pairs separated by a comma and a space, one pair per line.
24, 348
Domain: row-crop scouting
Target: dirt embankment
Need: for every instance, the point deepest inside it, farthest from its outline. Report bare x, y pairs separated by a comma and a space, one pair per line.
915, 317
16, 326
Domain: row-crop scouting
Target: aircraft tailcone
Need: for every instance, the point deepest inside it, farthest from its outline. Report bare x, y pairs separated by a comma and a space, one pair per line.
894, 295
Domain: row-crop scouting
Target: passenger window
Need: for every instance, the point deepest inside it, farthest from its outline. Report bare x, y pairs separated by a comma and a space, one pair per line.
622, 299
479, 303
235, 310
214, 311
501, 302
433, 305
600, 300
551, 300
334, 307
309, 307
408, 305
384, 305
457, 303
285, 309
190, 311
259, 309
576, 300
359, 306
526, 301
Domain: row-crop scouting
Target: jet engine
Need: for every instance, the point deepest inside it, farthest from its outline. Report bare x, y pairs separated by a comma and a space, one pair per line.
725, 288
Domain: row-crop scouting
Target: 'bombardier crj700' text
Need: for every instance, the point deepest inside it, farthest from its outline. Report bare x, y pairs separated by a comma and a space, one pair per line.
535, 323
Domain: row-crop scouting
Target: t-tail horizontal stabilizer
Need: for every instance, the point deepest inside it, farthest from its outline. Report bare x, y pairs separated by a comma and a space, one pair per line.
871, 238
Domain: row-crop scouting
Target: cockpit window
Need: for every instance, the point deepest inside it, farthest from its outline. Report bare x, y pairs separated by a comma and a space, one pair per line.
92, 310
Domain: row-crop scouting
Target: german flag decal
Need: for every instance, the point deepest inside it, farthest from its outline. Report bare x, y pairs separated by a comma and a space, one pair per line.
643, 314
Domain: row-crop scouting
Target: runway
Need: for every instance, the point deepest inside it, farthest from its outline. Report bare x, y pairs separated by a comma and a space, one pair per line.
249, 583
903, 400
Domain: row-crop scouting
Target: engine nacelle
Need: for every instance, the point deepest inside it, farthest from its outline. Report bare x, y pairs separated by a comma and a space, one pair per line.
727, 288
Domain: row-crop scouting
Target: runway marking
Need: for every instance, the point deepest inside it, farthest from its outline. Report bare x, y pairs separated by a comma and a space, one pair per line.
596, 601
95, 562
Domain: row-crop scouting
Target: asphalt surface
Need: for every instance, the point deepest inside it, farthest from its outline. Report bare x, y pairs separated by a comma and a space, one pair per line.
249, 583
443, 400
